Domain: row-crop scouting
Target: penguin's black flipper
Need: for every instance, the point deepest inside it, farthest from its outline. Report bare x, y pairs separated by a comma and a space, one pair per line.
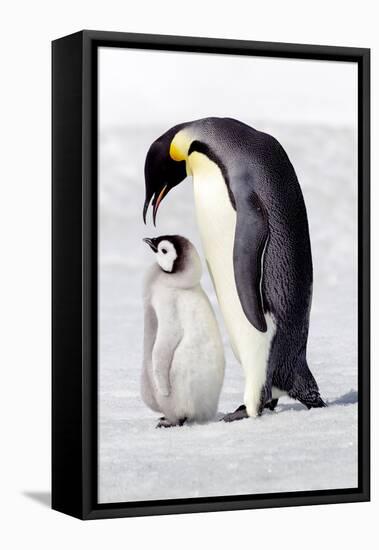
249, 245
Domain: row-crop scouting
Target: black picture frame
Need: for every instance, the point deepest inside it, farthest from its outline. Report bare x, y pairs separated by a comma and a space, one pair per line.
74, 273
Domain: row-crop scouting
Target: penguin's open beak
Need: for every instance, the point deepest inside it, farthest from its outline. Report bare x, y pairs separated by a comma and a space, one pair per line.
157, 199
151, 243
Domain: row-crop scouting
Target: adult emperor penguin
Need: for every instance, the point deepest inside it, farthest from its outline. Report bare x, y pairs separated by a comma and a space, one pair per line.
254, 230
183, 364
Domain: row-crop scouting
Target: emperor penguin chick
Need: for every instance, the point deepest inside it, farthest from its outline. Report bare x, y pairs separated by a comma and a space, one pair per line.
183, 364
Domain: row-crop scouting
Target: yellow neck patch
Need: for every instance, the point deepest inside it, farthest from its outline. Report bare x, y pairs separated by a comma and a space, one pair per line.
175, 152
180, 145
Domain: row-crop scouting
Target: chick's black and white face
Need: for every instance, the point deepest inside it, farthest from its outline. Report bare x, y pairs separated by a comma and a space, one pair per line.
166, 255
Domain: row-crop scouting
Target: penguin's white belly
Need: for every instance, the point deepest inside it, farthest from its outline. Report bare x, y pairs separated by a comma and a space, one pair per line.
217, 223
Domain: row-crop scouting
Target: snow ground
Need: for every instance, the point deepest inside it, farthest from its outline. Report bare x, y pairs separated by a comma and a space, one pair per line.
291, 449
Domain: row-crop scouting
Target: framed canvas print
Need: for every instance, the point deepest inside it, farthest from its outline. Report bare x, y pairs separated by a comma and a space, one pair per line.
210, 274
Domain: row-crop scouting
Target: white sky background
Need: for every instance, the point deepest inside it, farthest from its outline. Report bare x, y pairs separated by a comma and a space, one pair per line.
140, 87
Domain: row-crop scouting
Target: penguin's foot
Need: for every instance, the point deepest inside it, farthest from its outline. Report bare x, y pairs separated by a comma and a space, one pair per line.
164, 423
271, 404
238, 414
266, 400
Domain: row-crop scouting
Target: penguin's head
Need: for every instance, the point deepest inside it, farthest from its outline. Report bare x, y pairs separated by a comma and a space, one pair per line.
162, 172
176, 255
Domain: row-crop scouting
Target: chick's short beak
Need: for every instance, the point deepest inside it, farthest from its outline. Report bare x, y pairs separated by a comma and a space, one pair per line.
151, 243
